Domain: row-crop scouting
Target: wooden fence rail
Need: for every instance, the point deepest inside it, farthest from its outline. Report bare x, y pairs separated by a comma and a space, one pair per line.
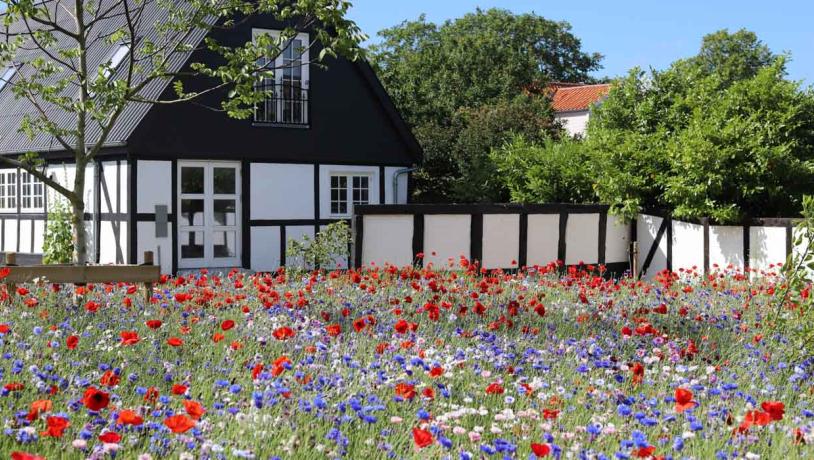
84, 274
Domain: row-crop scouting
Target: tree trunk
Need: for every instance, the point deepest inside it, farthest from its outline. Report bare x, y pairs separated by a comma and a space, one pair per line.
80, 240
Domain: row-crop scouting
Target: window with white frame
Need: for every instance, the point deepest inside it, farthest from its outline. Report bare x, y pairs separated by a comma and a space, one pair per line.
287, 90
8, 190
348, 190
32, 193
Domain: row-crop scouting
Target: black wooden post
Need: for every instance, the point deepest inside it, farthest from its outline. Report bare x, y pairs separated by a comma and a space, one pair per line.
148, 287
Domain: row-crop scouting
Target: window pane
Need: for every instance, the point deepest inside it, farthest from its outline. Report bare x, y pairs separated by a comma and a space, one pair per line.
224, 244
225, 180
192, 212
225, 212
192, 180
192, 245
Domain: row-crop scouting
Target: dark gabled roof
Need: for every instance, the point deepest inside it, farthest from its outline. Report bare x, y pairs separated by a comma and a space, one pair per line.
13, 109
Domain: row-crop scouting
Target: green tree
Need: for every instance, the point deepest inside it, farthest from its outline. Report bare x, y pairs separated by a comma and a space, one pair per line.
467, 85
61, 80
432, 71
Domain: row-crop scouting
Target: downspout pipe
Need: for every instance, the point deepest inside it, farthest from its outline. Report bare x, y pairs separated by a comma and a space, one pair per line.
396, 175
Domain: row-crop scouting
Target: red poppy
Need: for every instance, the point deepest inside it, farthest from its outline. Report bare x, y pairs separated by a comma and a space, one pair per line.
550, 414
684, 400
645, 452
129, 337
174, 342
14, 386
638, 373
283, 333
540, 450
151, 395
95, 400
129, 417
405, 390
228, 324
154, 323
17, 455
194, 409
358, 324
38, 407
422, 438
401, 326
278, 366
4, 329
495, 389
179, 423
22, 291
71, 342
775, 409
92, 306
110, 437
436, 371
56, 427
428, 393
179, 389
217, 337
333, 329
109, 379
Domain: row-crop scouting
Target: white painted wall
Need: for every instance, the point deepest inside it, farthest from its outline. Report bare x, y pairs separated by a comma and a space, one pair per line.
688, 246
618, 240
725, 247
401, 198
646, 228
387, 239
501, 241
575, 123
446, 237
265, 252
153, 186
543, 238
582, 239
325, 172
113, 232
111, 177
10, 235
161, 247
767, 246
282, 191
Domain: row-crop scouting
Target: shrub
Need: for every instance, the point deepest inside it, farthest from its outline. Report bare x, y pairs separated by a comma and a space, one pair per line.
325, 249
57, 245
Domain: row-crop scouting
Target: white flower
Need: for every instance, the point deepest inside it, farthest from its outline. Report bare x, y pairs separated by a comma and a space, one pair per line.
79, 444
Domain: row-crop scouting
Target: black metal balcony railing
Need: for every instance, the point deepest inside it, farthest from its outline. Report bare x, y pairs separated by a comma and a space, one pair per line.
285, 104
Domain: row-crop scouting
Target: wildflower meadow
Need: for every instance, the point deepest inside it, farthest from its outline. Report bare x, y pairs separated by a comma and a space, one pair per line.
404, 362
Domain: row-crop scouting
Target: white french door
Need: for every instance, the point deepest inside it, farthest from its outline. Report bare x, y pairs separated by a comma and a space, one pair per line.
209, 222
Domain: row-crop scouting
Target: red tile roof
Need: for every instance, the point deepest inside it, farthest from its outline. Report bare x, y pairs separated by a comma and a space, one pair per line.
569, 97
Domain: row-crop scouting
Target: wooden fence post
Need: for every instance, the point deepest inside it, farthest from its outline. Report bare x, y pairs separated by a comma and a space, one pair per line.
148, 287
634, 259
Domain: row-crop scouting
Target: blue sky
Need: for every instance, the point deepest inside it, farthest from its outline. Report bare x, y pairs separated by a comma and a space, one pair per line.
633, 32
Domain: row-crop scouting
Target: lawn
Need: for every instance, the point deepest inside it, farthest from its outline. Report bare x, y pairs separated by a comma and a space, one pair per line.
403, 363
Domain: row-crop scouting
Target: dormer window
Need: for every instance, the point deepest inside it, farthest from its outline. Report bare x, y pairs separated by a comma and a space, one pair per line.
116, 59
286, 103
6, 75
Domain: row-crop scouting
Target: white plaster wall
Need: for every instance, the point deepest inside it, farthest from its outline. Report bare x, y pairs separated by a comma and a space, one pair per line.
402, 185
387, 239
39, 234
575, 123
543, 238
153, 186
10, 236
688, 246
725, 246
325, 172
618, 240
767, 246
161, 247
582, 239
111, 178
25, 235
282, 191
501, 240
265, 248
297, 233
445, 237
109, 253
646, 228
